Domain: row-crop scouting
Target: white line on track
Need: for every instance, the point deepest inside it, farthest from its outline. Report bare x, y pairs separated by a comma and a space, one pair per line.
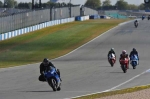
113, 87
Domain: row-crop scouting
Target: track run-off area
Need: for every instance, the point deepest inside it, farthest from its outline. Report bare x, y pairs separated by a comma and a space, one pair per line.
85, 70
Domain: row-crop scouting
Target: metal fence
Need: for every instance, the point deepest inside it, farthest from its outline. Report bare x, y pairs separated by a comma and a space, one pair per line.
30, 18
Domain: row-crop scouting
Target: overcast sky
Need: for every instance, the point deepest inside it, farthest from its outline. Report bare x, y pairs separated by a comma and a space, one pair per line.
137, 2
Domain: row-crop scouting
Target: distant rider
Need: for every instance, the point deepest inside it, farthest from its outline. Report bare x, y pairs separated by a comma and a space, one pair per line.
123, 56
136, 21
46, 64
143, 17
110, 52
134, 52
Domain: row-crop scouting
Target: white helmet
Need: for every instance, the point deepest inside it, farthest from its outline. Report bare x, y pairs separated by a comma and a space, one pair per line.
124, 52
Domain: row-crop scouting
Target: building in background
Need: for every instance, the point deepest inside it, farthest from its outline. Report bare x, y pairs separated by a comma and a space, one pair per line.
58, 1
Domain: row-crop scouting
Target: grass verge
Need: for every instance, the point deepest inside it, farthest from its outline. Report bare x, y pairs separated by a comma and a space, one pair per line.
111, 93
51, 42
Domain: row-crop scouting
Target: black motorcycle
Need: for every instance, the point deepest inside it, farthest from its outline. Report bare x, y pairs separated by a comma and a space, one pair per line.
136, 24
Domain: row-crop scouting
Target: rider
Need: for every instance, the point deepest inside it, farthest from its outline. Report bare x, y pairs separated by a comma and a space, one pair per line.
110, 52
143, 17
136, 21
43, 66
124, 55
134, 52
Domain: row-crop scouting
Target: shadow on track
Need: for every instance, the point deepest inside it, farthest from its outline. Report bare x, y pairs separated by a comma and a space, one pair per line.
37, 91
104, 66
116, 72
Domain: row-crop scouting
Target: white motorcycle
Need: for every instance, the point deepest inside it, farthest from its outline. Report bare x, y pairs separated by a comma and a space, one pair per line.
112, 59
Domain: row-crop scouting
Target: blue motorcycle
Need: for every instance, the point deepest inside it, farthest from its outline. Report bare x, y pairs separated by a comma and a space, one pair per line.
143, 17
53, 78
134, 61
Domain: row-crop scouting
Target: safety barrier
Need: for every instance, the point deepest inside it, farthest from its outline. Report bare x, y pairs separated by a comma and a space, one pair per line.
82, 18
11, 34
94, 17
104, 17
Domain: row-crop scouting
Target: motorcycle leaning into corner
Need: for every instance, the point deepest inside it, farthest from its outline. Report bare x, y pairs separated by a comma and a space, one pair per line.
124, 64
53, 79
112, 59
134, 61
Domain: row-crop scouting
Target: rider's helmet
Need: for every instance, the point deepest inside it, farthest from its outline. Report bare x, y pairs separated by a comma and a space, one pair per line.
112, 49
45, 62
124, 52
136, 20
134, 49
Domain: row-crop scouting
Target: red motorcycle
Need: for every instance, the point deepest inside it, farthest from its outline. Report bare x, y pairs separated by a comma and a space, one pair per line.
124, 64
112, 59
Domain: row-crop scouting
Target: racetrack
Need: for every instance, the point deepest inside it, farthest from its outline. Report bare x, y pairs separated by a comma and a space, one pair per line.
85, 70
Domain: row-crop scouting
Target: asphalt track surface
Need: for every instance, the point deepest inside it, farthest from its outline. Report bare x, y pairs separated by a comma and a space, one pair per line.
85, 70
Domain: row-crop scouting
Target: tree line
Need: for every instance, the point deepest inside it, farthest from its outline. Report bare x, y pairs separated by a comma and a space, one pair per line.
119, 5
28, 5
95, 4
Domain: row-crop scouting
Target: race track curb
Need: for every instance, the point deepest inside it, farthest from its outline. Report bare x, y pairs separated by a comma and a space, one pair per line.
115, 92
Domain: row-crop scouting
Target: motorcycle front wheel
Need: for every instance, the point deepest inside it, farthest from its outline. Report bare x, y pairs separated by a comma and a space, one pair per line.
124, 68
134, 65
111, 63
53, 83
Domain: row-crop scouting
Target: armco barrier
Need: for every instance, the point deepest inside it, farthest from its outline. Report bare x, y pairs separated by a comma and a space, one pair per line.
81, 18
11, 34
94, 17
103, 17
78, 18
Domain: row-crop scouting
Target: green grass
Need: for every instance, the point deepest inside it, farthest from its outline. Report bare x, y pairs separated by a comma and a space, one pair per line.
111, 93
51, 42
